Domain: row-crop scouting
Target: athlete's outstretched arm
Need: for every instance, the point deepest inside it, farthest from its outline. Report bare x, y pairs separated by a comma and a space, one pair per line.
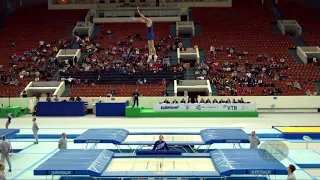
139, 19
141, 15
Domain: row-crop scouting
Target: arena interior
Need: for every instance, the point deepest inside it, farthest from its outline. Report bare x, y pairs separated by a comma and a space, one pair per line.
231, 86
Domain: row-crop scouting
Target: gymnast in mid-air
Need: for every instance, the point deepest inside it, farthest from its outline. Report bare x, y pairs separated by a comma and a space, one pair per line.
152, 50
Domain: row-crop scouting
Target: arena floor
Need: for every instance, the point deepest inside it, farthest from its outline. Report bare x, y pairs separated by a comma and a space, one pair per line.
31, 156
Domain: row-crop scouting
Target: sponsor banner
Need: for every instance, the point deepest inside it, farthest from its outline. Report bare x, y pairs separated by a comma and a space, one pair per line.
205, 107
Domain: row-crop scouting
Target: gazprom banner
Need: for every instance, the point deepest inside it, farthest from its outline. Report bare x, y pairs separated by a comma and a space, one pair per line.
204, 107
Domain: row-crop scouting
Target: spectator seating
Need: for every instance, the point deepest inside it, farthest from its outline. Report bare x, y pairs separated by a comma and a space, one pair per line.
26, 32
250, 31
306, 13
84, 90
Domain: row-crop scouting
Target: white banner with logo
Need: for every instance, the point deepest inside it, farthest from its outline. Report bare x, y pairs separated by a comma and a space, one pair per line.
223, 107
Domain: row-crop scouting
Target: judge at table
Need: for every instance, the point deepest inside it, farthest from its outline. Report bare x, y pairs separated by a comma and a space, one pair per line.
160, 144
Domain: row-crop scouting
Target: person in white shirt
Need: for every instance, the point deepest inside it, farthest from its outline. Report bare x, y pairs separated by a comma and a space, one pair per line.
254, 140
291, 168
2, 173
35, 129
5, 151
185, 93
63, 142
212, 49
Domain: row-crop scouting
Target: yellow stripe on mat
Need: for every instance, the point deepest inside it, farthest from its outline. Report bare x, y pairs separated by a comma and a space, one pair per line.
299, 129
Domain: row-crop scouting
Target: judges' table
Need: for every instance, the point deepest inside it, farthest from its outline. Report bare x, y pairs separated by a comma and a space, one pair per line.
223, 107
60, 109
111, 108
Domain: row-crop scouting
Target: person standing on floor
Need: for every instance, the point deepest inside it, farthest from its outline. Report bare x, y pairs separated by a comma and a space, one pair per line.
63, 142
291, 168
35, 129
5, 151
254, 140
2, 173
135, 97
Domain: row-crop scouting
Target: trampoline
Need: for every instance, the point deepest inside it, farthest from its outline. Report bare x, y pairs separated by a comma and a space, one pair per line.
103, 163
9, 133
122, 137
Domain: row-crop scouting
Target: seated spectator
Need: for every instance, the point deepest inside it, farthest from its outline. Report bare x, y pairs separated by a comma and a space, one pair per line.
221, 101
234, 101
297, 85
315, 93
166, 101
175, 101
71, 99
48, 99
278, 90
165, 93
195, 100
308, 93
208, 101
289, 84
222, 93
241, 100
56, 98
202, 100
228, 101
183, 101
78, 99
259, 58
189, 100
24, 94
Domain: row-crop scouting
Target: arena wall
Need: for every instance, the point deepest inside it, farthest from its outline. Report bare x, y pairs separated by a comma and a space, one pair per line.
264, 103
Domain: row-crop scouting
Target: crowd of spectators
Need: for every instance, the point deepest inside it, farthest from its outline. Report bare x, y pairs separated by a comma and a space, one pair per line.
40, 63
207, 101
122, 57
238, 79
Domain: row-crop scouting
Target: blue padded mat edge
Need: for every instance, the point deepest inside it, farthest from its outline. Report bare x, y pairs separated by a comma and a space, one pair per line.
91, 162
115, 136
9, 132
210, 136
246, 161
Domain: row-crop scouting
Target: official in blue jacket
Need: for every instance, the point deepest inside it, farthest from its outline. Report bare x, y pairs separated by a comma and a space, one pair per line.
160, 144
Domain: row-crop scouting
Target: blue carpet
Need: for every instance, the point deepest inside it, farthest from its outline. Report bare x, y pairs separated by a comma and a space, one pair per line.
293, 52
276, 12
275, 27
186, 41
70, 33
298, 41
197, 29
173, 30
96, 29
190, 16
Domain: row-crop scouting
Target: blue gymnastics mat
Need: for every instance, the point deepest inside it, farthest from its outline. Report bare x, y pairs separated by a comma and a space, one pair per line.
210, 136
115, 136
9, 132
91, 162
246, 161
310, 158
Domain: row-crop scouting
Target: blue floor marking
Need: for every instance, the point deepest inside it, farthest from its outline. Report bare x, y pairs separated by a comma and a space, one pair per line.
34, 164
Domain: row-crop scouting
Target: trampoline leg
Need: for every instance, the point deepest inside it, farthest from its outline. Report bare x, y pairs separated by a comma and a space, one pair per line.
184, 149
192, 149
207, 148
119, 149
87, 146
